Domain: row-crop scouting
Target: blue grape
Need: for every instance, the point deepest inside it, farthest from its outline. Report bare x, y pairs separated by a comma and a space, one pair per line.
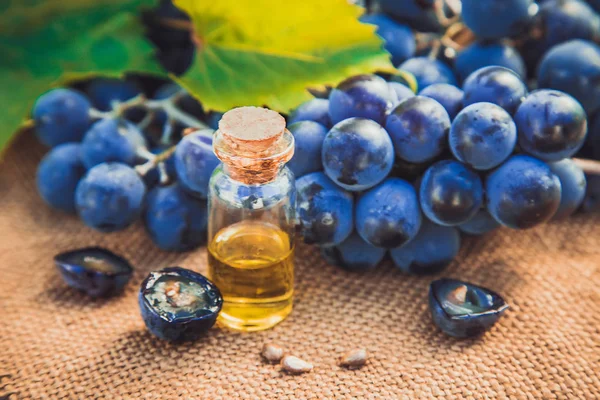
110, 197
103, 92
495, 19
485, 54
111, 140
428, 71
61, 116
481, 223
595, 4
419, 129
573, 184
354, 254
365, 96
574, 68
325, 212
389, 214
419, 14
559, 21
402, 92
195, 162
174, 220
522, 193
357, 154
399, 39
450, 193
408, 171
447, 95
497, 85
308, 139
316, 110
591, 201
482, 136
432, 250
552, 125
58, 174
592, 142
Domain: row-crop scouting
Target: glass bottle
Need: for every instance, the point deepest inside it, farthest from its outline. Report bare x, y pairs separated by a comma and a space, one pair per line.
251, 219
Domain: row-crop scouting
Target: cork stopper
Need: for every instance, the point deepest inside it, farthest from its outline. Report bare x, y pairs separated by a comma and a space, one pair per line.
253, 143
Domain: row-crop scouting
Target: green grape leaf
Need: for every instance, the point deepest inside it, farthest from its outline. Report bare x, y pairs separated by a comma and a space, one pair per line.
268, 52
46, 43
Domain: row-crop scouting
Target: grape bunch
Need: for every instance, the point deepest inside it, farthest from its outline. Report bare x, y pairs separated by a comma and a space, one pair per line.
118, 155
485, 141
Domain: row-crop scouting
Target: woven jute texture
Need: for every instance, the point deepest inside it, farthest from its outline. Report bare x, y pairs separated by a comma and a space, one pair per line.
56, 343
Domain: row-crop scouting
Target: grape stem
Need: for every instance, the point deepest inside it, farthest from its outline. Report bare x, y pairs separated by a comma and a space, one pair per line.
154, 160
591, 167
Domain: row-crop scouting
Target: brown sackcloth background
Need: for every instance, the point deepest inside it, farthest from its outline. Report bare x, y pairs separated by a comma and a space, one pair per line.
57, 344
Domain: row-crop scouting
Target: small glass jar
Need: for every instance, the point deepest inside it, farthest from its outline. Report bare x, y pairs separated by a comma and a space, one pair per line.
251, 228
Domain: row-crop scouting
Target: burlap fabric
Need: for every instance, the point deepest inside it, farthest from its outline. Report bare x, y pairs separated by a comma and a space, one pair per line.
57, 344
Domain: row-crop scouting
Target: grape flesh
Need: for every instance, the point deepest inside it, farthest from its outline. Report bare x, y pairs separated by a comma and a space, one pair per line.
357, 154
450, 193
353, 254
364, 96
325, 212
449, 96
497, 85
480, 224
111, 140
482, 136
573, 184
61, 116
428, 71
399, 39
174, 220
316, 110
552, 125
523, 192
195, 162
495, 19
388, 215
431, 251
419, 129
110, 197
58, 174
308, 140
573, 67
485, 54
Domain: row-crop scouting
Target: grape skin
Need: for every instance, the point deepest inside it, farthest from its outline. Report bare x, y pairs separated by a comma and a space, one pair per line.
552, 125
195, 162
485, 54
574, 68
402, 92
111, 140
61, 116
316, 110
399, 39
388, 215
58, 174
308, 140
523, 192
497, 85
449, 96
325, 212
480, 224
450, 193
428, 71
482, 136
353, 254
431, 251
419, 129
174, 220
495, 19
364, 96
357, 154
110, 197
573, 184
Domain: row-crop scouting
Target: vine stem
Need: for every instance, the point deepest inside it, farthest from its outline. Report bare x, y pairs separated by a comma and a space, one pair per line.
153, 161
591, 167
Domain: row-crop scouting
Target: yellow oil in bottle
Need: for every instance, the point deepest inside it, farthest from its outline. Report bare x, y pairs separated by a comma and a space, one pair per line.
252, 264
